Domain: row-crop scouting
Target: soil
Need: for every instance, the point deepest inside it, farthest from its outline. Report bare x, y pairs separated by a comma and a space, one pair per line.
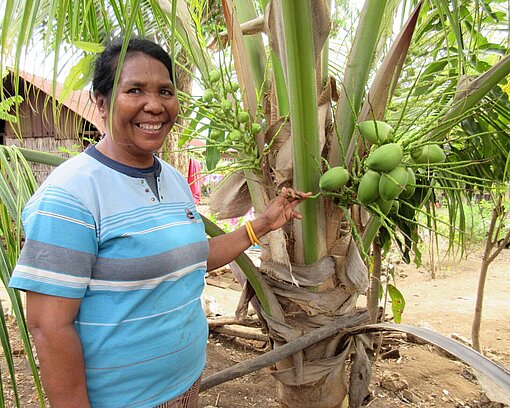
420, 375
417, 375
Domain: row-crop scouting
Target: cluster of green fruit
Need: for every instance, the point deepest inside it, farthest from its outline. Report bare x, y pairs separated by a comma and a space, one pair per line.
387, 177
236, 129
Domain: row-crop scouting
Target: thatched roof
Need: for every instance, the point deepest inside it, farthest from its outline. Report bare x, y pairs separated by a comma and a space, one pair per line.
77, 101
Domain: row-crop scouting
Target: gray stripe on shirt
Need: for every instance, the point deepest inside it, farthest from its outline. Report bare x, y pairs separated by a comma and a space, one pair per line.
149, 267
57, 259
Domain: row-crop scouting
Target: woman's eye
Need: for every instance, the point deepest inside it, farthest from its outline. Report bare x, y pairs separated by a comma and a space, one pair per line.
167, 92
134, 90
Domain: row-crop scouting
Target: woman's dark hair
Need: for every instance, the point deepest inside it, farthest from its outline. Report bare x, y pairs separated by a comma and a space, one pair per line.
106, 62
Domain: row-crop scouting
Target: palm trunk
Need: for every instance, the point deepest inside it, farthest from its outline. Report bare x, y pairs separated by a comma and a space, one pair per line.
314, 377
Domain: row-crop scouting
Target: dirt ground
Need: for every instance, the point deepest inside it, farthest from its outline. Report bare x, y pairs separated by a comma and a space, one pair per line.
418, 376
421, 376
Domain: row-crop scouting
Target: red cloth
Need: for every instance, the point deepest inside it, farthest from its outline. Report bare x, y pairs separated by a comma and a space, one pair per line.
194, 180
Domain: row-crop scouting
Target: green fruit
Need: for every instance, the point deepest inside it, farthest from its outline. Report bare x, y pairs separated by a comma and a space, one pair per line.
410, 186
235, 135
208, 95
375, 131
214, 76
385, 158
368, 189
243, 117
384, 205
334, 179
415, 153
430, 154
255, 129
226, 104
231, 87
395, 207
215, 134
247, 138
393, 183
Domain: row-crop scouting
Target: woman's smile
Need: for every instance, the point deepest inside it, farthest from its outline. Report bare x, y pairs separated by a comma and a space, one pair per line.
150, 126
144, 110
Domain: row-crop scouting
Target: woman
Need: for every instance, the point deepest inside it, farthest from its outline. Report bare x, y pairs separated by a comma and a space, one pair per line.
115, 253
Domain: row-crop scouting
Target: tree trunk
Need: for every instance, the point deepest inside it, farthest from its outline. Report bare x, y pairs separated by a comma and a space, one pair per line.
315, 377
491, 241
477, 318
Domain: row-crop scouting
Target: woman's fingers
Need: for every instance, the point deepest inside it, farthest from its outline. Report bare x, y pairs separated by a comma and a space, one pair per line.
292, 194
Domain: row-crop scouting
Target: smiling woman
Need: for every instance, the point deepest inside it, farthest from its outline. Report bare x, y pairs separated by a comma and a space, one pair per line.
143, 112
115, 253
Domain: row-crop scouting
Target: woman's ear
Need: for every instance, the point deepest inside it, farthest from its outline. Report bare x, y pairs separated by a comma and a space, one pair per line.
102, 106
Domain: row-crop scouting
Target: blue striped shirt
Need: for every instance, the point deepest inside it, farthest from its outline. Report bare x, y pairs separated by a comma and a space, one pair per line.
95, 230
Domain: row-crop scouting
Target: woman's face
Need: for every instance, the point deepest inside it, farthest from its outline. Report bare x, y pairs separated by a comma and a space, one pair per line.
144, 110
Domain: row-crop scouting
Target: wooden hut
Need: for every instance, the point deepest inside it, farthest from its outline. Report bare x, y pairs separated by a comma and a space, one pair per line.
46, 123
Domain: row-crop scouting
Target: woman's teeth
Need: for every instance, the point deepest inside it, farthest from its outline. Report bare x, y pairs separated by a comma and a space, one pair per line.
147, 126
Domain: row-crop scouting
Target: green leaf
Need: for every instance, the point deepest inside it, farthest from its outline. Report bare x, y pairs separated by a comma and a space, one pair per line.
493, 47
499, 16
434, 67
78, 76
471, 126
87, 46
398, 302
6, 105
482, 66
212, 156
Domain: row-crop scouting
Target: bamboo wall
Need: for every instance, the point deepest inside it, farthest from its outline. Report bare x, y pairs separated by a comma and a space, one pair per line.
46, 144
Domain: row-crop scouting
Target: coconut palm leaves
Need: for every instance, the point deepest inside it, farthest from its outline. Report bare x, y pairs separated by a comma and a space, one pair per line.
17, 184
453, 86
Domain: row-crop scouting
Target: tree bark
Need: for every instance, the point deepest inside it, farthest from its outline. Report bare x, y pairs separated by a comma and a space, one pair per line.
477, 318
238, 370
484, 269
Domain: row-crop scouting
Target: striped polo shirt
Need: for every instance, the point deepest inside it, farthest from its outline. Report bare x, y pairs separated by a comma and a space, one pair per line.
95, 230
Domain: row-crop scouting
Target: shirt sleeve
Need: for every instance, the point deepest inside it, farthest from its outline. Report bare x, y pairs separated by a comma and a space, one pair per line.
60, 246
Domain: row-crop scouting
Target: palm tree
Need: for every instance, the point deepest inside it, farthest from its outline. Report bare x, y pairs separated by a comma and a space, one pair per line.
290, 121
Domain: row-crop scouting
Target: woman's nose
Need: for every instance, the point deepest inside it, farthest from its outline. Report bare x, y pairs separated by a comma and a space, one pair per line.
153, 105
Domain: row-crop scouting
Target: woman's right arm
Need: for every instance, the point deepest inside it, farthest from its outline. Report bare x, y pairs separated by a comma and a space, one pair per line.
50, 320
